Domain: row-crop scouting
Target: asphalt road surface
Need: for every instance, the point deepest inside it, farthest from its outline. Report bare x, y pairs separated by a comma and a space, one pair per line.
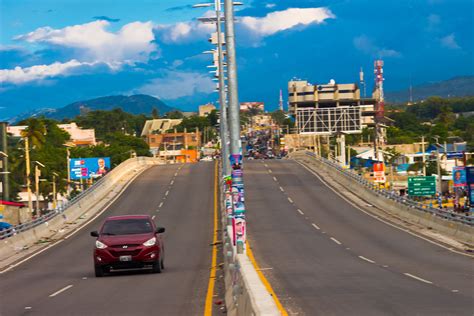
60, 281
325, 257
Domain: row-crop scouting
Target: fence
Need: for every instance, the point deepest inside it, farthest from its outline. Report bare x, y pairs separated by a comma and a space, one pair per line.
448, 215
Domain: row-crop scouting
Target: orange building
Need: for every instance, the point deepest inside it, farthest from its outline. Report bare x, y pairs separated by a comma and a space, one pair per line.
180, 147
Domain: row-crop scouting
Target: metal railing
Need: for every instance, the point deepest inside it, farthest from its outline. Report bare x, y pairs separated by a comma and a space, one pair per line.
404, 200
50, 214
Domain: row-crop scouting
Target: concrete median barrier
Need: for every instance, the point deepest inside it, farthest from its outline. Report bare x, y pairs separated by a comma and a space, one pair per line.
77, 213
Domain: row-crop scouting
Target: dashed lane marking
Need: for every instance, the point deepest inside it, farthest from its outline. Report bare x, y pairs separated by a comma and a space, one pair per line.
161, 204
275, 179
336, 241
366, 259
290, 200
282, 190
61, 290
300, 211
153, 217
167, 192
417, 278
270, 171
315, 226
172, 182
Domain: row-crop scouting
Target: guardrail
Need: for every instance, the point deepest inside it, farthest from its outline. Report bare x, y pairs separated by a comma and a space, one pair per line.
6, 233
448, 215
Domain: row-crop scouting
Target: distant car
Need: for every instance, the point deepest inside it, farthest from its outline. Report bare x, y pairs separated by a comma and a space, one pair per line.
128, 242
207, 158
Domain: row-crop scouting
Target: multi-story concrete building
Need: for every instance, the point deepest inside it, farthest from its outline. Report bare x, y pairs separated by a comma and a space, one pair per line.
206, 109
159, 126
183, 147
79, 136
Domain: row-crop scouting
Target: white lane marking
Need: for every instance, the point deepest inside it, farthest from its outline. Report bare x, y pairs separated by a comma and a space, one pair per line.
266, 165
417, 278
290, 200
454, 291
385, 266
366, 259
300, 211
172, 182
269, 170
282, 190
336, 241
161, 204
167, 192
176, 174
275, 179
61, 290
28, 307
315, 226
153, 217
264, 269
78, 229
380, 219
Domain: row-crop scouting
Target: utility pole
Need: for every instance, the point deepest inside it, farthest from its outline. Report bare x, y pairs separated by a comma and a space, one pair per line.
37, 176
54, 191
234, 109
28, 180
5, 180
423, 152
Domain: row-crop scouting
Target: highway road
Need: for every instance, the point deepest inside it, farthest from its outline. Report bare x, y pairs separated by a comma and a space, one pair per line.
60, 281
323, 256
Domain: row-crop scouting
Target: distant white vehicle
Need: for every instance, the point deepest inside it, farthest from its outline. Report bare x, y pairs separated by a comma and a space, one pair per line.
207, 158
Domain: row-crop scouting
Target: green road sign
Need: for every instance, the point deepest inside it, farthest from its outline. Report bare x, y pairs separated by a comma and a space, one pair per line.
419, 186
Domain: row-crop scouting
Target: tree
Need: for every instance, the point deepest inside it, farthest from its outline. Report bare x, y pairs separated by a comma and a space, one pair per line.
174, 114
279, 117
35, 132
155, 113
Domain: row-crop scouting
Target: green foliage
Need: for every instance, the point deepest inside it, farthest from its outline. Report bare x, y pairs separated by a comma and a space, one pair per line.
174, 115
432, 107
279, 117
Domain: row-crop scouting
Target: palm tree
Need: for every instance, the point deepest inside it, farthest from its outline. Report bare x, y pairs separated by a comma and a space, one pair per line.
35, 132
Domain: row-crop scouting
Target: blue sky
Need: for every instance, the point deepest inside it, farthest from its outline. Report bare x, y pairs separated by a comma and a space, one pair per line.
54, 52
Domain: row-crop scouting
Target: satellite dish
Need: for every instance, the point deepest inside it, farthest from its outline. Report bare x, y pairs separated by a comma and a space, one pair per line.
332, 81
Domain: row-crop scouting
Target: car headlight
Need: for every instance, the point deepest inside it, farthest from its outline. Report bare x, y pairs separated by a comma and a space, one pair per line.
100, 245
150, 242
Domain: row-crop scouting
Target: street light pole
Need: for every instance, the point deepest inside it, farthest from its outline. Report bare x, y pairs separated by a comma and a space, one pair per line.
234, 109
54, 191
28, 180
5, 180
37, 178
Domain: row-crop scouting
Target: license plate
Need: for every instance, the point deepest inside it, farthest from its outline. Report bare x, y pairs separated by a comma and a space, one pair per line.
125, 258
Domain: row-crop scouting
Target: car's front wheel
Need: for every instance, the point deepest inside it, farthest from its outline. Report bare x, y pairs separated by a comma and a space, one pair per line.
99, 271
157, 267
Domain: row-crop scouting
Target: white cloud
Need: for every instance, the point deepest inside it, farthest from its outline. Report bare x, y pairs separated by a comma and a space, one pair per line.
177, 84
284, 20
367, 46
20, 75
184, 31
270, 5
449, 41
92, 41
433, 21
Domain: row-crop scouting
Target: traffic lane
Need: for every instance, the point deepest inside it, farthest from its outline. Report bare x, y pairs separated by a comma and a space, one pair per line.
370, 237
181, 288
71, 260
312, 274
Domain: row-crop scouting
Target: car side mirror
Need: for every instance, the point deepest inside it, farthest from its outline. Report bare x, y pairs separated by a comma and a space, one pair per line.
160, 230
94, 234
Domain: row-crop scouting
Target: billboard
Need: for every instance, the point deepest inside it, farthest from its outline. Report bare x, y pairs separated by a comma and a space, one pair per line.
327, 121
379, 172
459, 177
87, 168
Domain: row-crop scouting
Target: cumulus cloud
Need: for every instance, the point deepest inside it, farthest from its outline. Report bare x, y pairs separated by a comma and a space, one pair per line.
367, 46
449, 41
94, 43
20, 75
284, 20
177, 84
183, 32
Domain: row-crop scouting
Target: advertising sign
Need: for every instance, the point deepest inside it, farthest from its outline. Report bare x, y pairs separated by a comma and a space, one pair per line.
379, 172
87, 168
470, 175
420, 186
239, 230
454, 155
459, 177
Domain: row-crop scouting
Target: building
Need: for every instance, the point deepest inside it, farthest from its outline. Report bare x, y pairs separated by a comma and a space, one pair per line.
261, 120
180, 147
247, 106
159, 126
79, 136
329, 108
206, 109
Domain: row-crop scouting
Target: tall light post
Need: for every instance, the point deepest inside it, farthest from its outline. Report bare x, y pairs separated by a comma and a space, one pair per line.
28, 180
55, 201
5, 180
438, 165
68, 171
37, 179
223, 125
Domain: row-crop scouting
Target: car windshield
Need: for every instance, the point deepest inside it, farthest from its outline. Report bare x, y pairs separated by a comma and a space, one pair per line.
127, 227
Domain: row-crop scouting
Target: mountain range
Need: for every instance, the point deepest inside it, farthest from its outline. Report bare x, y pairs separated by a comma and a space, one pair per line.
455, 87
135, 104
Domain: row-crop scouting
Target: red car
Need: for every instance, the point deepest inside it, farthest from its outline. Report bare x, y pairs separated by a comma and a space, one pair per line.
128, 242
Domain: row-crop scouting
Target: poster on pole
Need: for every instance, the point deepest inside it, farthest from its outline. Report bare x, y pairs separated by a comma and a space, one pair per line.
379, 172
459, 177
89, 168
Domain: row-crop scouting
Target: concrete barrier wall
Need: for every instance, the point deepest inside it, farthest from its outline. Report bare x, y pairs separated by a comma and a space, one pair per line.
459, 231
90, 204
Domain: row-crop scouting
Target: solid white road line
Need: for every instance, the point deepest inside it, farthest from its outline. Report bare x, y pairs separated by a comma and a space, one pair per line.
161, 204
315, 226
366, 259
275, 179
336, 241
300, 211
61, 290
290, 200
282, 190
417, 278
